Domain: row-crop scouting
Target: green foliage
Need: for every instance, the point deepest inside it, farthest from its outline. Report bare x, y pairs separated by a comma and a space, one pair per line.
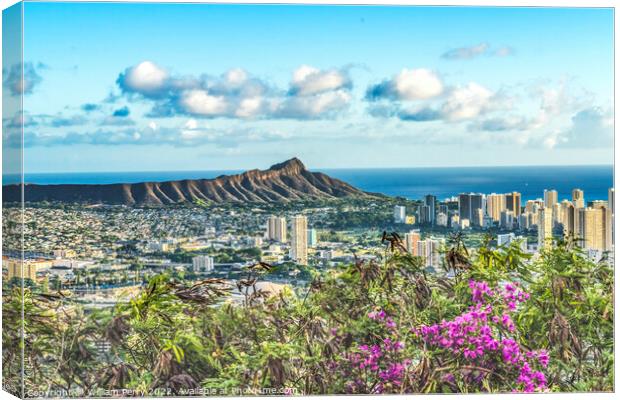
176, 336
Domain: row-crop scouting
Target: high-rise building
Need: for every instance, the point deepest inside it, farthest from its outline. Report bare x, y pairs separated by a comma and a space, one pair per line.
276, 229
557, 215
429, 201
507, 219
545, 227
568, 217
469, 203
578, 200
299, 239
400, 214
202, 263
513, 203
496, 203
464, 206
412, 238
595, 228
525, 221
532, 206
442, 219
551, 197
312, 238
478, 201
478, 217
428, 249
424, 214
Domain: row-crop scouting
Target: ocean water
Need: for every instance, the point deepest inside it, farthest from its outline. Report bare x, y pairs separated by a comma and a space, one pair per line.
414, 183
411, 183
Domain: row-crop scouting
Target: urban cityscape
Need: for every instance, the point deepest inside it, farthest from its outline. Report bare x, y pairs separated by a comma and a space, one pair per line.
101, 249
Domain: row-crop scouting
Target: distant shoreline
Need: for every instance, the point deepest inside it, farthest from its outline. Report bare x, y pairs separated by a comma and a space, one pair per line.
112, 177
411, 183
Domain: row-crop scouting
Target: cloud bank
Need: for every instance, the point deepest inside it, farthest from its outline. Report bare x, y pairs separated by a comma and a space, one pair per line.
312, 93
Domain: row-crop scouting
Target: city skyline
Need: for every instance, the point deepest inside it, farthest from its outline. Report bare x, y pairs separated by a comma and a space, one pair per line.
589, 224
369, 89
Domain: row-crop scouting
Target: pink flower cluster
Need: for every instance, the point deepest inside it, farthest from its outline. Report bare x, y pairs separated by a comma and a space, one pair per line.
381, 316
383, 360
513, 295
480, 336
381, 365
479, 290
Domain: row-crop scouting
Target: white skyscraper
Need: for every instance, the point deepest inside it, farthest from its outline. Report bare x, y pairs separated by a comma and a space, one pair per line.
442, 219
551, 198
299, 239
276, 229
568, 217
400, 214
595, 228
428, 249
578, 200
496, 203
545, 227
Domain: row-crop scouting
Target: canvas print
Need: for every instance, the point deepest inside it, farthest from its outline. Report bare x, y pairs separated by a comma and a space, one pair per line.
240, 200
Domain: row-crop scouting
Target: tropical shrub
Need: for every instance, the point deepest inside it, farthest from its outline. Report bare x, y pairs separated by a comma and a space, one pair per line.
496, 320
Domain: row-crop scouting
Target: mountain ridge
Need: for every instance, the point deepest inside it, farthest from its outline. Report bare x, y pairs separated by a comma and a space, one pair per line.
282, 182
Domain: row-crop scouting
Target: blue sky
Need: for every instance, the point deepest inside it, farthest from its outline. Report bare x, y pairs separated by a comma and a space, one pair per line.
117, 87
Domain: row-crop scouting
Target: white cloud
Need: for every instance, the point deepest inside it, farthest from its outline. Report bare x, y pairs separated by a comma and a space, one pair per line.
414, 84
302, 72
308, 80
408, 84
249, 107
200, 102
236, 76
591, 127
146, 78
466, 102
326, 104
419, 95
